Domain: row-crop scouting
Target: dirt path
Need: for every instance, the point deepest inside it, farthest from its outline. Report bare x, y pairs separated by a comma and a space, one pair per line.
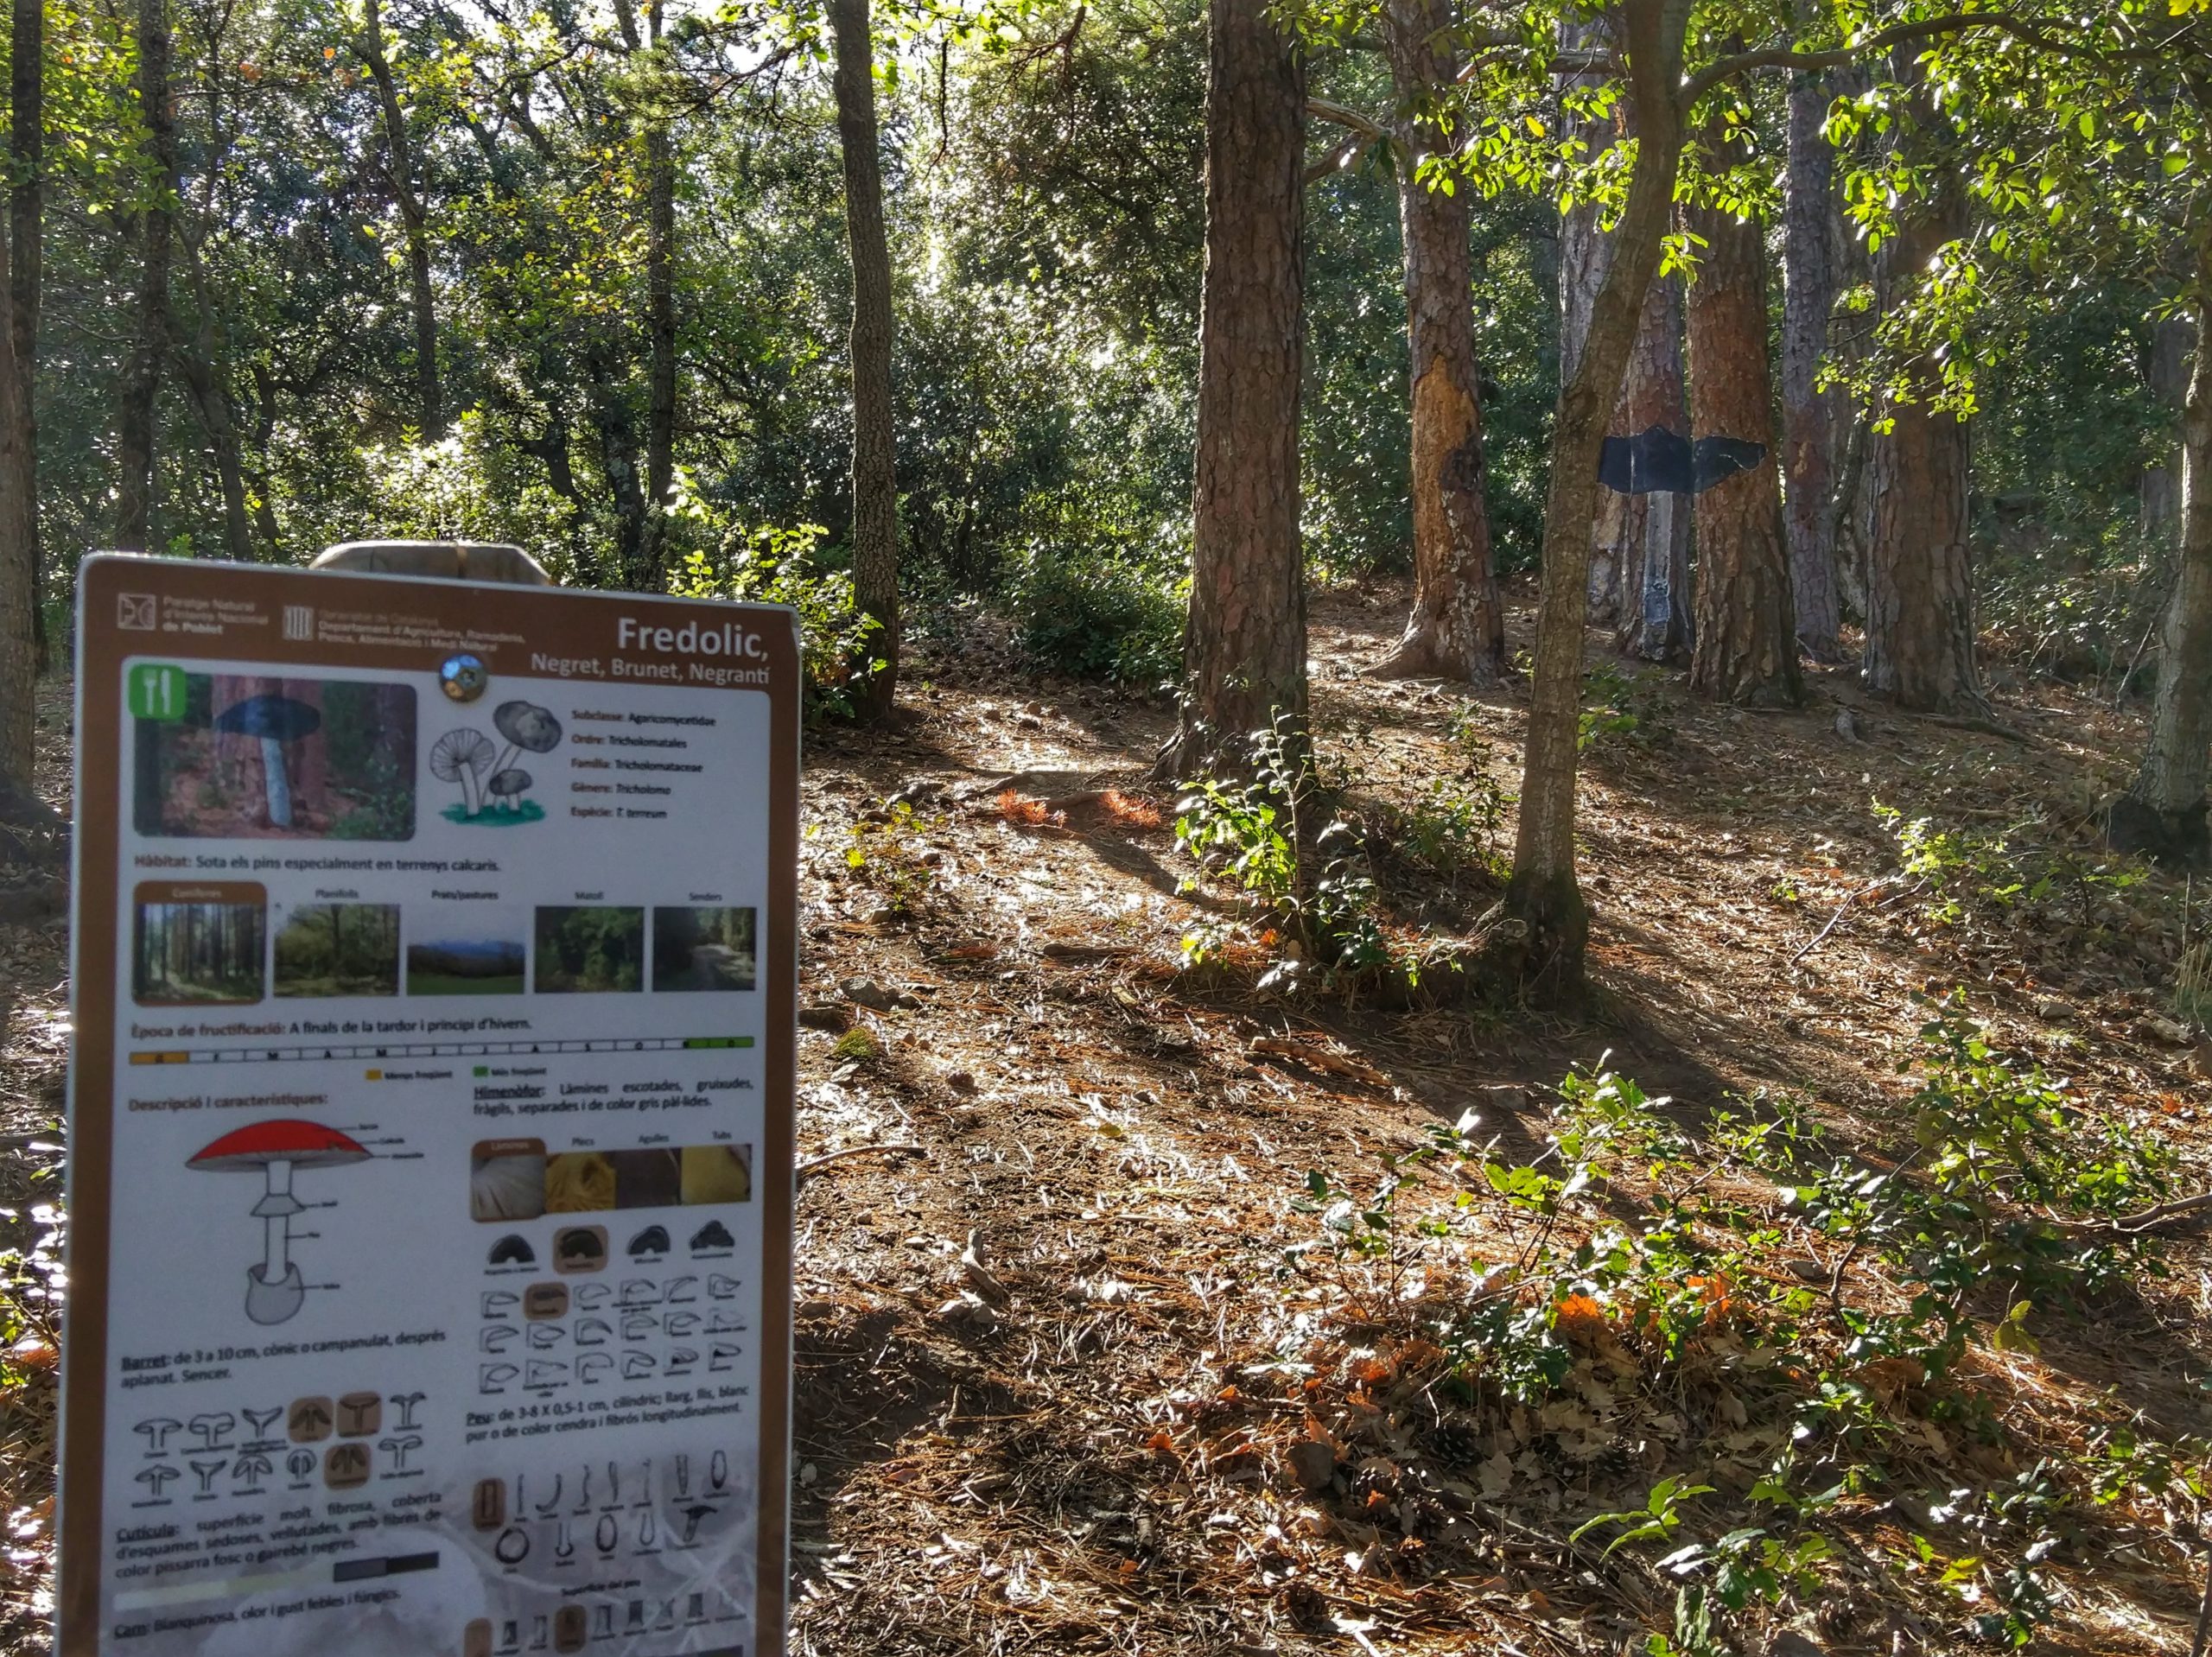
1055, 1374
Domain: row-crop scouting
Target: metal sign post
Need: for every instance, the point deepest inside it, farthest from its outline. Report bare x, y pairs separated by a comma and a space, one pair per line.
430, 1116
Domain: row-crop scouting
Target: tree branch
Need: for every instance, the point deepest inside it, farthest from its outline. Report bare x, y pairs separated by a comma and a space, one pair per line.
1338, 114
1346, 153
1784, 57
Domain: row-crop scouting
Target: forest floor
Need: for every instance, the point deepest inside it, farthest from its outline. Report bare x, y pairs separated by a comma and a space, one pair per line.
1103, 1368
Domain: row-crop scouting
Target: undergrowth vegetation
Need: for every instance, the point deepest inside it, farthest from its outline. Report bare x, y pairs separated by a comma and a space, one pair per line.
1659, 1306
1338, 887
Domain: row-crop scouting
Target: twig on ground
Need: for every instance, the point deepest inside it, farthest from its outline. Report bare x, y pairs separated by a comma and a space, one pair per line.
813, 1164
1317, 1059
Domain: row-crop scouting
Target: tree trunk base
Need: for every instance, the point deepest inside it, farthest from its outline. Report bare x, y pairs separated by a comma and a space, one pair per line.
1543, 932
2176, 839
1422, 654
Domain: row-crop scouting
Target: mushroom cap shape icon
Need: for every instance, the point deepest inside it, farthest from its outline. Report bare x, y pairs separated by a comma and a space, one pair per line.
274, 1289
275, 721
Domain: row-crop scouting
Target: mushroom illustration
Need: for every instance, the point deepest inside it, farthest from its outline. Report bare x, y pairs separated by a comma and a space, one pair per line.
158, 1435
524, 725
156, 1478
208, 1471
406, 1403
262, 1420
275, 720
400, 1449
506, 788
274, 1289
213, 1428
251, 1468
300, 1463
461, 756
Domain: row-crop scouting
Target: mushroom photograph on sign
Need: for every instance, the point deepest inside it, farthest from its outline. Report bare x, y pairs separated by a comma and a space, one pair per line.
246, 756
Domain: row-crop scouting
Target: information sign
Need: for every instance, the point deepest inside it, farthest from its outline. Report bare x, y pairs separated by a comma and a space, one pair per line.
430, 1151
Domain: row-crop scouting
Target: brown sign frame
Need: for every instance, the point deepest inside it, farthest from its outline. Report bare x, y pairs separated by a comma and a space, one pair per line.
505, 626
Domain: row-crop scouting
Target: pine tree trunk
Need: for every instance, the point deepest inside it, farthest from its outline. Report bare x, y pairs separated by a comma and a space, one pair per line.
140, 379
1584, 253
1809, 288
1457, 630
20, 253
1647, 537
1746, 629
1542, 896
2163, 812
1244, 644
2171, 344
660, 323
414, 217
198, 360
875, 487
1920, 612
615, 420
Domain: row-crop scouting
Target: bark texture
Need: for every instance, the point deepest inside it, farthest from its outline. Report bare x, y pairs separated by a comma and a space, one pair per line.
19, 298
414, 217
1645, 539
660, 322
1811, 281
1244, 644
1457, 630
140, 379
198, 358
1585, 251
2163, 812
1920, 613
2169, 375
1746, 629
1542, 896
875, 487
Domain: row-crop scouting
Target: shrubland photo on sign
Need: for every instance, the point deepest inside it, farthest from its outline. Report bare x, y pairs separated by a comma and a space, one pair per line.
431, 1120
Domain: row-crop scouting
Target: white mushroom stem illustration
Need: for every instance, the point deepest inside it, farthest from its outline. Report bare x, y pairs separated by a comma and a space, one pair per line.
462, 757
274, 1289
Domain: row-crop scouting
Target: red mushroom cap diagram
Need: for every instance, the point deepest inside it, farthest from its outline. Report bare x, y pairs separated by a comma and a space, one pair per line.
274, 1290
304, 1144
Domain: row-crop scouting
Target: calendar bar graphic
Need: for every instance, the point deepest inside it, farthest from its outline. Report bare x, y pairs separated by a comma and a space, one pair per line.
431, 1050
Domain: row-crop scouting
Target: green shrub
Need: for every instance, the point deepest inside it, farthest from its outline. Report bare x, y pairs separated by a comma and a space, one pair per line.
1100, 614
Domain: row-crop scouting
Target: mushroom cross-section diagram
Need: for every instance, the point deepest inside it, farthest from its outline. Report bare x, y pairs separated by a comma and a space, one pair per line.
274, 1288
275, 720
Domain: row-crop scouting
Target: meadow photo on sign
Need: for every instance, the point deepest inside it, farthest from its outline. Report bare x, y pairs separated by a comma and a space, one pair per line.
486, 957
263, 757
185, 954
337, 949
703, 949
589, 950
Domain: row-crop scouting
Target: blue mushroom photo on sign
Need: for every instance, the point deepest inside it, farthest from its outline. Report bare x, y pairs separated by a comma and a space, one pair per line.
493, 785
